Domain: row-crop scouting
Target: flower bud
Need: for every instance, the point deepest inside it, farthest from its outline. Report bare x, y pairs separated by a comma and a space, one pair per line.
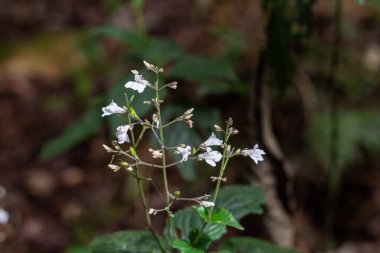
108, 149
218, 128
188, 112
113, 167
172, 85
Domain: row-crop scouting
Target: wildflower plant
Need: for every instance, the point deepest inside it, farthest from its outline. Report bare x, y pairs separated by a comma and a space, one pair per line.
192, 229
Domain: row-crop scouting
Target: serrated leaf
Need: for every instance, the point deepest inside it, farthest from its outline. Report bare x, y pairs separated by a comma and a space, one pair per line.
185, 247
126, 241
241, 200
75, 133
219, 216
251, 245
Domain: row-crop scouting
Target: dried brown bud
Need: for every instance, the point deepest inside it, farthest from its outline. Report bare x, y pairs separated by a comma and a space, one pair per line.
172, 85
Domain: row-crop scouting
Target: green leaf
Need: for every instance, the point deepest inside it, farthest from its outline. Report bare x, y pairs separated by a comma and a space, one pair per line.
215, 74
75, 133
185, 247
186, 220
241, 200
251, 245
199, 239
123, 34
219, 216
125, 242
355, 128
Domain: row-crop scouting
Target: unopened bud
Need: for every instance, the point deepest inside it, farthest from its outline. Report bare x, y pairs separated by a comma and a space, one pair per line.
230, 122
190, 123
114, 167
188, 116
108, 149
149, 66
218, 128
172, 85
176, 194
124, 164
188, 112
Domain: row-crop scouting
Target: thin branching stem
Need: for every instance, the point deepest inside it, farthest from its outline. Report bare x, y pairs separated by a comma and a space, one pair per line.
141, 187
164, 165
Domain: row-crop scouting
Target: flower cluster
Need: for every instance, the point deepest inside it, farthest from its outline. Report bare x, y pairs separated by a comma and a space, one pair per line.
212, 151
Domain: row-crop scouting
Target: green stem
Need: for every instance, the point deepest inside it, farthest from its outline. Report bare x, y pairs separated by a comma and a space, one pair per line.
333, 187
216, 191
140, 21
164, 173
141, 188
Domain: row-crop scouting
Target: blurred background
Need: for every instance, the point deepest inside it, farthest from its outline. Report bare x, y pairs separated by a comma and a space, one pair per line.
301, 78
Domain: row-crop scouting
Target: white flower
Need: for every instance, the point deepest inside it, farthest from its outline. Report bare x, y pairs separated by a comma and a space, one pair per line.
4, 216
112, 108
139, 84
213, 141
207, 203
211, 157
255, 153
185, 152
122, 134
157, 154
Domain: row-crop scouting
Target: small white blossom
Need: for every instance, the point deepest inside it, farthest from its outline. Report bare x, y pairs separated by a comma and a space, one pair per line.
122, 134
139, 84
112, 108
255, 153
185, 152
211, 157
152, 211
4, 216
156, 153
213, 141
207, 203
